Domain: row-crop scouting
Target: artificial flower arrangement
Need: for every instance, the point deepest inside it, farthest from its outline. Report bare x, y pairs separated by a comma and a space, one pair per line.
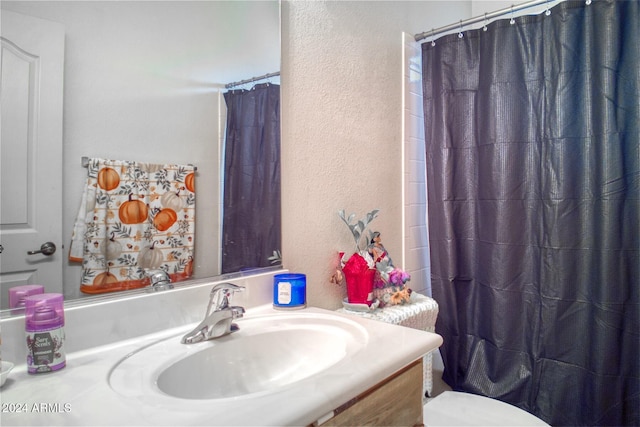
389, 286
369, 271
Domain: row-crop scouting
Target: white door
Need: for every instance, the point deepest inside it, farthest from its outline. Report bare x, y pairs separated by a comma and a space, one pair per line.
31, 94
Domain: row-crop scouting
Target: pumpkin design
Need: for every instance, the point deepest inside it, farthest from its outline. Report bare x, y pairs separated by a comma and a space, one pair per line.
165, 219
190, 182
111, 248
171, 200
152, 168
150, 257
141, 217
108, 179
188, 269
133, 212
104, 279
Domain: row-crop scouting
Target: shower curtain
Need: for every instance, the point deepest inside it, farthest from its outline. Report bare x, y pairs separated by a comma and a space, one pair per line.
532, 135
134, 217
251, 202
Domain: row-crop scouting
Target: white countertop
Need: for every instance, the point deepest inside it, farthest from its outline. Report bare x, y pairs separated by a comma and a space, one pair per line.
80, 394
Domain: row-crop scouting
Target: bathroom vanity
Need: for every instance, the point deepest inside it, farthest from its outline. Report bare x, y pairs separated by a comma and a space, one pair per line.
380, 405
302, 367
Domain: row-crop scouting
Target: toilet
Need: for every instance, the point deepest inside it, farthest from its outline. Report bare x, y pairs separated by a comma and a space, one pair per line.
452, 408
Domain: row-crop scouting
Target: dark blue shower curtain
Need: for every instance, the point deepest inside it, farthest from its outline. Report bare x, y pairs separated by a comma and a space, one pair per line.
533, 169
251, 203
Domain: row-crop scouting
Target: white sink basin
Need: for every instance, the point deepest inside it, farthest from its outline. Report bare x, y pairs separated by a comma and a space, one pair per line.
269, 352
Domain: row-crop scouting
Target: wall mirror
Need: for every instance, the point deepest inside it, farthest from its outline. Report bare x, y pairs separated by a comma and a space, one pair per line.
144, 81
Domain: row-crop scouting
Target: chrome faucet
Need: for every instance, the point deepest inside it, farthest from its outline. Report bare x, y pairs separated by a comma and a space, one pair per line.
218, 319
159, 279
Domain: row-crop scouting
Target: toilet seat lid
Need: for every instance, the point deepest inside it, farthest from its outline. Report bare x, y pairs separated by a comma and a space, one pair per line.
453, 408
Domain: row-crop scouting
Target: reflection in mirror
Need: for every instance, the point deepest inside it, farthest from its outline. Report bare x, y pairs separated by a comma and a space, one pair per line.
145, 81
251, 209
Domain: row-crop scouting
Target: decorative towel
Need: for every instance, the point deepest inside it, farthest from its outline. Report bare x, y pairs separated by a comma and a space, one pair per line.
134, 217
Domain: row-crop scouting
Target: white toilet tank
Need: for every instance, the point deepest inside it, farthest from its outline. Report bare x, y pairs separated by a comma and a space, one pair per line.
453, 408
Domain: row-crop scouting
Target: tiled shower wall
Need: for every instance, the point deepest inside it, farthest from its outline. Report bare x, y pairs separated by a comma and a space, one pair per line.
416, 242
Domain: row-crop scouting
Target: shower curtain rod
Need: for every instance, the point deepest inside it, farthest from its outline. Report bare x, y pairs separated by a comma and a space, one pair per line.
251, 80
85, 163
485, 17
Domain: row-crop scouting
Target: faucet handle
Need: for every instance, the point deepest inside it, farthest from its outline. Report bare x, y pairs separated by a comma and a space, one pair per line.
237, 312
220, 294
159, 280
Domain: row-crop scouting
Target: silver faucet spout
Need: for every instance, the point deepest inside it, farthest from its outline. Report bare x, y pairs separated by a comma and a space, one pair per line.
218, 320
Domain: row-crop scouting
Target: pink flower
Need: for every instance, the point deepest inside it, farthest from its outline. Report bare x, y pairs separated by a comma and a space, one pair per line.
398, 277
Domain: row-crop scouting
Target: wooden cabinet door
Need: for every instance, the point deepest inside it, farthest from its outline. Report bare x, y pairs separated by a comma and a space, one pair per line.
397, 401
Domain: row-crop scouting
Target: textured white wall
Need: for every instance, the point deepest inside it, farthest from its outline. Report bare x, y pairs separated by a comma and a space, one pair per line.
342, 103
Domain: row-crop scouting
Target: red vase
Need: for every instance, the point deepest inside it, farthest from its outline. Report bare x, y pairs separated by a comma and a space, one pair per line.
359, 278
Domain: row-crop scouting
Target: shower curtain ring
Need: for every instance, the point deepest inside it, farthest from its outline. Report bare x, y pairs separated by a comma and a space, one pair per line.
548, 11
485, 22
433, 40
460, 35
512, 20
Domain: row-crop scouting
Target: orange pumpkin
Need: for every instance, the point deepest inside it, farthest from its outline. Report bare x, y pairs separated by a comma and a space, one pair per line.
108, 179
165, 219
104, 279
133, 212
190, 182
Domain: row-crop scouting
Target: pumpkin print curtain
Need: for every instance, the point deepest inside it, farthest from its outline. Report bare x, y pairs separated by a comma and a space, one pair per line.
134, 217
